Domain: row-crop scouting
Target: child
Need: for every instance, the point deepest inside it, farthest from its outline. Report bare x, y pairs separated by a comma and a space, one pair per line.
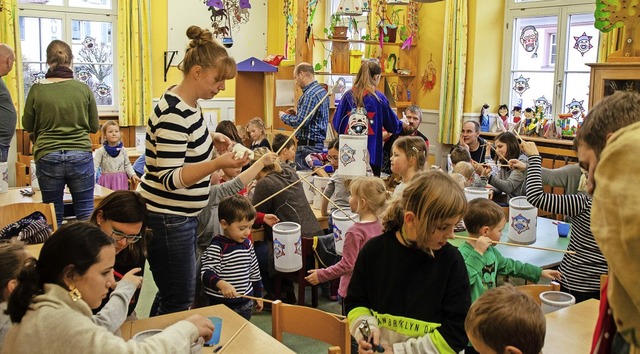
112, 159
257, 133
368, 198
485, 220
506, 181
459, 153
504, 320
288, 153
466, 170
244, 136
227, 128
336, 188
418, 301
408, 156
229, 265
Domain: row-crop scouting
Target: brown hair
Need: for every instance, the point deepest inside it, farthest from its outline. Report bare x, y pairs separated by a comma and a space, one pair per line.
607, 116
364, 81
106, 125
59, 54
482, 212
460, 153
229, 129
12, 258
413, 147
236, 208
304, 68
372, 190
280, 139
204, 51
504, 316
513, 148
261, 151
432, 196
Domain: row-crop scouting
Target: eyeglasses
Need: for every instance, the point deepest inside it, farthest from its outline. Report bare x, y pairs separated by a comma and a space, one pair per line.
119, 235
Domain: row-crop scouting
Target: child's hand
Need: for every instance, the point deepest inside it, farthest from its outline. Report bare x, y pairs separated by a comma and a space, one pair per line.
271, 219
131, 277
367, 347
490, 194
259, 305
269, 159
550, 274
482, 244
312, 278
135, 179
477, 168
227, 289
518, 165
529, 148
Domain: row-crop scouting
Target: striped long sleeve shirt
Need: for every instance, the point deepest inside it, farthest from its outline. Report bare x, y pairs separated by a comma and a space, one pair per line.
581, 271
233, 262
176, 137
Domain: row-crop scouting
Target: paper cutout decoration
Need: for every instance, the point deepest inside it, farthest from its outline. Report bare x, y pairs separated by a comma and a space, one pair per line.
529, 40
429, 76
520, 85
350, 8
583, 43
576, 109
544, 104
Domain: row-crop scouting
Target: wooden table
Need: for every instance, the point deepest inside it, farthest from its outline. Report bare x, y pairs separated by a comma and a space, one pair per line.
546, 236
258, 234
14, 196
570, 330
250, 339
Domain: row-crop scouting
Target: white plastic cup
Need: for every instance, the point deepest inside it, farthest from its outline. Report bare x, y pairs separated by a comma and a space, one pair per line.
341, 223
287, 247
4, 177
523, 219
472, 193
555, 300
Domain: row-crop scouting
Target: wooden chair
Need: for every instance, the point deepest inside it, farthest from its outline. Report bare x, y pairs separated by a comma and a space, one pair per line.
21, 175
536, 289
14, 212
298, 276
312, 323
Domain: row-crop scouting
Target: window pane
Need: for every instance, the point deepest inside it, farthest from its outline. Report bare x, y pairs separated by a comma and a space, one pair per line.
32, 73
42, 2
534, 43
527, 87
94, 4
92, 45
582, 46
577, 92
41, 32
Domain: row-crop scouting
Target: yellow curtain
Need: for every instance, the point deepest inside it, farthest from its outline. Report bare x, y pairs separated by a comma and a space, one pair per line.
609, 42
454, 69
9, 34
134, 62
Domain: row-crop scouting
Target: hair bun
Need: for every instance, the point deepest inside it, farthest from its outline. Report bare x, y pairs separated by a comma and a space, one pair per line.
198, 36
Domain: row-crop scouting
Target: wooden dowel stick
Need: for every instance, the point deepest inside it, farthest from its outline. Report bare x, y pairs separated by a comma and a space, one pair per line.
305, 120
327, 198
232, 337
257, 298
517, 245
496, 150
283, 189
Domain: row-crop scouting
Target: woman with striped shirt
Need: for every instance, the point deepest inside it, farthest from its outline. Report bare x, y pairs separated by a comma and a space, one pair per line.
580, 271
179, 164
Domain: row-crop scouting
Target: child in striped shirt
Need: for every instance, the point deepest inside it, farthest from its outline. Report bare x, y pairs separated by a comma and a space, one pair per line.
229, 265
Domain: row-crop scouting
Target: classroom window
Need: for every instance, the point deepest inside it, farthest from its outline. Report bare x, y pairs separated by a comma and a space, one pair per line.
549, 44
88, 26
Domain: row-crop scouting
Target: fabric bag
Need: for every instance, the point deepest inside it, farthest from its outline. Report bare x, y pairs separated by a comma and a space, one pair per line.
324, 250
31, 229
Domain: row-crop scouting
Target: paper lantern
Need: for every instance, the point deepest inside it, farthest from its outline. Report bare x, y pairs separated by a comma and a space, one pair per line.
555, 300
308, 191
353, 157
472, 193
4, 177
522, 221
320, 183
341, 223
287, 247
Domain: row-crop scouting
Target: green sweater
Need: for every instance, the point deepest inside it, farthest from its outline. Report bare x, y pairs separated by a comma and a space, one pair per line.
484, 269
61, 115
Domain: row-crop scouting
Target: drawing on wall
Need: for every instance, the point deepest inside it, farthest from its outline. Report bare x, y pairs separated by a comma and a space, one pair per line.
529, 40
583, 43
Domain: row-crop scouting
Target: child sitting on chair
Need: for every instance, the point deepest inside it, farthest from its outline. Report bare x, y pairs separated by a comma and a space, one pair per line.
288, 153
229, 265
485, 220
504, 320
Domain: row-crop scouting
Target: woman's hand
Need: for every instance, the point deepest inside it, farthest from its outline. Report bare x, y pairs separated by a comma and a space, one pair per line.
518, 165
227, 289
269, 159
312, 278
270, 219
204, 325
529, 148
131, 277
222, 142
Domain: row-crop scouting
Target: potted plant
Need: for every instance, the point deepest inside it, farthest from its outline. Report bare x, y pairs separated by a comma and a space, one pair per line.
388, 29
337, 28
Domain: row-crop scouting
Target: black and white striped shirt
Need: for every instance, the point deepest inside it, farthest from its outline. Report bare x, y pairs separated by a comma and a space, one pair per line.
581, 271
176, 136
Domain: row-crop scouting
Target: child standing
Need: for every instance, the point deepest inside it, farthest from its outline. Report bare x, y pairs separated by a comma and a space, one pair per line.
112, 159
368, 198
257, 133
408, 156
485, 220
229, 265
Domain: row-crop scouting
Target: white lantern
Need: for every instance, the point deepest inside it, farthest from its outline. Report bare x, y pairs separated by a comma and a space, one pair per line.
555, 300
341, 223
4, 177
308, 191
35, 186
287, 247
353, 157
320, 183
522, 221
472, 193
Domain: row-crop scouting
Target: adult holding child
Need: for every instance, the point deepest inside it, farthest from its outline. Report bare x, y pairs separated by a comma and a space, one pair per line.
61, 112
51, 304
176, 184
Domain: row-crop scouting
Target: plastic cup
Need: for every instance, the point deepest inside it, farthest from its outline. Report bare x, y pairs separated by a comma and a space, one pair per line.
217, 330
563, 229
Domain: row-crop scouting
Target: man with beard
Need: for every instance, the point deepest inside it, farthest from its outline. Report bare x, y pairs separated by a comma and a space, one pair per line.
413, 115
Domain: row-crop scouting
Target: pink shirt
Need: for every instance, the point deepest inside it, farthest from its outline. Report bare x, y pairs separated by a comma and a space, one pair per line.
355, 238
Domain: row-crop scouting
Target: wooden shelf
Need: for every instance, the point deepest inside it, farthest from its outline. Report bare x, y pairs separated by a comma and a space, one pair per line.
327, 73
361, 42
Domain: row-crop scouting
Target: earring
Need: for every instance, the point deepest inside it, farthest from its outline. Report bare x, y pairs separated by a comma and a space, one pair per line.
74, 293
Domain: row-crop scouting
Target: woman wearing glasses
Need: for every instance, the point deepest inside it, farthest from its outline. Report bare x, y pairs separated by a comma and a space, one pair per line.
122, 215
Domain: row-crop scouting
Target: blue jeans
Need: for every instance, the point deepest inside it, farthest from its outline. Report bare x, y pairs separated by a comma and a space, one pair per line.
172, 260
73, 169
303, 151
4, 153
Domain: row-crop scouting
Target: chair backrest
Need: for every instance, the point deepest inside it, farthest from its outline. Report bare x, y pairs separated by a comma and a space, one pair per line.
536, 289
14, 212
312, 323
21, 175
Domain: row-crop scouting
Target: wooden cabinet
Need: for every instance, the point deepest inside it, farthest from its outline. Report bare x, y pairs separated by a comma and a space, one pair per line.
606, 78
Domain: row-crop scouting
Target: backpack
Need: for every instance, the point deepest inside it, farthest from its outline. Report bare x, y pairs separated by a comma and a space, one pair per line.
31, 229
